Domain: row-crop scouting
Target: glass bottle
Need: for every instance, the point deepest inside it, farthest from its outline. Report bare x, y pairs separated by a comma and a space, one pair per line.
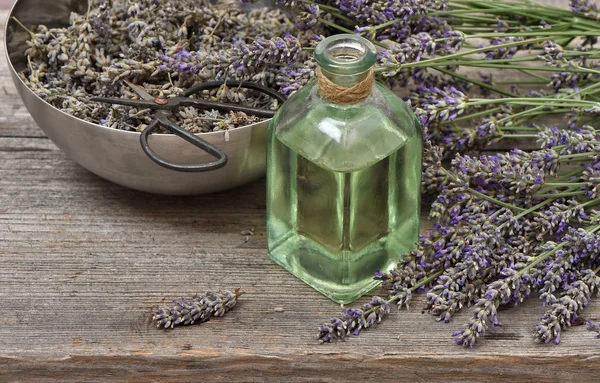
343, 180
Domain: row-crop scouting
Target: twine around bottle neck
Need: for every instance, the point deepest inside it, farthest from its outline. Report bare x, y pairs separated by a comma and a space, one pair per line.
338, 94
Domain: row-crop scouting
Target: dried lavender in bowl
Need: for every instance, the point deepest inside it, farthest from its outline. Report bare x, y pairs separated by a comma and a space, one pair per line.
165, 46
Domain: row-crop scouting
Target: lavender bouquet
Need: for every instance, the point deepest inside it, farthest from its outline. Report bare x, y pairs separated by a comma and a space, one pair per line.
506, 224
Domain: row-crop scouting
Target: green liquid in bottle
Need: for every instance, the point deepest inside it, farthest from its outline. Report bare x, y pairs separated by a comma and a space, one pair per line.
343, 189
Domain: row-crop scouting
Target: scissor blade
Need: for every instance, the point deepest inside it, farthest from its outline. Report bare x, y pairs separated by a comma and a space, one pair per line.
125, 101
140, 91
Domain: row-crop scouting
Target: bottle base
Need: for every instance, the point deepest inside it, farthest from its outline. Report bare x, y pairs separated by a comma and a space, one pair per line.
323, 271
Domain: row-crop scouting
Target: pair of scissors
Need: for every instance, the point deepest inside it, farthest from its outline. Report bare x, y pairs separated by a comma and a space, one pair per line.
165, 107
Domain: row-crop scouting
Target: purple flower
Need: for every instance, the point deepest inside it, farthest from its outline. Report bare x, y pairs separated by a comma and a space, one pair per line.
587, 8
497, 293
241, 57
567, 308
354, 320
200, 309
593, 327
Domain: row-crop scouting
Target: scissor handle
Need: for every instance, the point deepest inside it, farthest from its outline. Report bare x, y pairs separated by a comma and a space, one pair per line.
209, 148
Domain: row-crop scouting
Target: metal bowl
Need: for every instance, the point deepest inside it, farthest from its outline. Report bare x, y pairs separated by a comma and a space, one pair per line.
116, 155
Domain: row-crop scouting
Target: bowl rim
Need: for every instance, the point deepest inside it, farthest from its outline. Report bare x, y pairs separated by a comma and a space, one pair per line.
93, 124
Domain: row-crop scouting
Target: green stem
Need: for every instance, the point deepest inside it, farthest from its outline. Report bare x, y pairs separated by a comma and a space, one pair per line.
541, 101
590, 55
541, 258
564, 177
428, 62
334, 25
543, 33
519, 136
479, 83
23, 26
522, 82
500, 66
425, 281
540, 108
591, 202
535, 75
576, 160
558, 195
565, 184
494, 200
520, 128
572, 173
578, 155
532, 209
473, 115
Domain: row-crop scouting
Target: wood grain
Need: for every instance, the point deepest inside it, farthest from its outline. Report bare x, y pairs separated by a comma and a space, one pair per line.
82, 262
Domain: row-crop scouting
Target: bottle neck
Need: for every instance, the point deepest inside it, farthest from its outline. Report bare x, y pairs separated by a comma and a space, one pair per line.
345, 80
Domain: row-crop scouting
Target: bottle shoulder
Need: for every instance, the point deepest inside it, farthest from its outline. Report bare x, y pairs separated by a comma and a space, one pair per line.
345, 138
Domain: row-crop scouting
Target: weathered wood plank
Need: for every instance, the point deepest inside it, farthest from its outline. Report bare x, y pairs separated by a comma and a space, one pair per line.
302, 368
82, 261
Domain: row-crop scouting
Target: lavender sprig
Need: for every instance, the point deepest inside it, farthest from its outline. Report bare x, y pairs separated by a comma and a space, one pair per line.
566, 309
499, 292
353, 321
198, 310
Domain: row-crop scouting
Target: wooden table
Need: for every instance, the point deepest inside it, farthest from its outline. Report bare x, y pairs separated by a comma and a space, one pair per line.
82, 261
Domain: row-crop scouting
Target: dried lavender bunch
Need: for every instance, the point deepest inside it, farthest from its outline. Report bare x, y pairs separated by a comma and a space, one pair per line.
200, 309
488, 239
148, 43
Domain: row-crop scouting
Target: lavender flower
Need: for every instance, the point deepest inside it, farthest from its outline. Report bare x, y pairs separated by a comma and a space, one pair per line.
439, 104
586, 8
556, 218
240, 58
411, 50
591, 175
593, 327
503, 52
500, 173
580, 140
200, 309
354, 320
499, 292
308, 16
379, 12
455, 289
291, 79
554, 56
567, 308
435, 178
